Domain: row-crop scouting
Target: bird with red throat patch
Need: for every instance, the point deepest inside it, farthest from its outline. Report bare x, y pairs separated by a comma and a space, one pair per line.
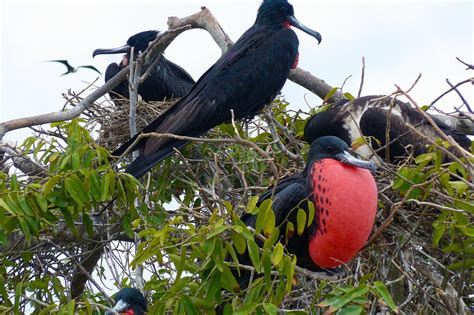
344, 194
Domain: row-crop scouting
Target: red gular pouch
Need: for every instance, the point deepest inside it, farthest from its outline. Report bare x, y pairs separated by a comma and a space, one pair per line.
345, 198
287, 24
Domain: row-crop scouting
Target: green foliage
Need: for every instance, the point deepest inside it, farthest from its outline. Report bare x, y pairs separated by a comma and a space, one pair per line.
186, 215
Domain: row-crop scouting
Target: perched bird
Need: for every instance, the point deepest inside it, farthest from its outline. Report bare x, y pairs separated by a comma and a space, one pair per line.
248, 76
71, 69
344, 195
368, 116
129, 301
166, 80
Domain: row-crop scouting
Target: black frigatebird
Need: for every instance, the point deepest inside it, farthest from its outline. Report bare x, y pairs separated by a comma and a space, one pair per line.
248, 76
71, 69
166, 80
129, 301
344, 195
369, 115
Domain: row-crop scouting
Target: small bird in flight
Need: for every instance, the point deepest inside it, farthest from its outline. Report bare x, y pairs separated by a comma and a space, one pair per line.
71, 69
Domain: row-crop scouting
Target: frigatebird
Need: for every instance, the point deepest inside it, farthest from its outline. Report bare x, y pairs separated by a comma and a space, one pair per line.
129, 301
166, 80
344, 195
71, 69
368, 116
246, 78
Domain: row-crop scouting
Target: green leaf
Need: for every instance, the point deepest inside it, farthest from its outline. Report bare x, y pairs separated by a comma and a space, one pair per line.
106, 185
49, 185
462, 264
277, 254
261, 217
270, 308
269, 225
239, 242
337, 302
75, 188
382, 290
13, 183
352, 310
349, 96
254, 254
311, 212
301, 221
251, 204
330, 94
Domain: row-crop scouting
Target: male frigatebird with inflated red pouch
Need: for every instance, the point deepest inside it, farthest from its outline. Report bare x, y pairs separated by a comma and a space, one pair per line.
344, 195
246, 78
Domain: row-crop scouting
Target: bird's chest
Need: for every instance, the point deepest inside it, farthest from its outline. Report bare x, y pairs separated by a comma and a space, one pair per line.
345, 199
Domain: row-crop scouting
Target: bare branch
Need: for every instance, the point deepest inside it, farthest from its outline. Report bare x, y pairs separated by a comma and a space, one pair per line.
460, 95
469, 66
206, 21
362, 75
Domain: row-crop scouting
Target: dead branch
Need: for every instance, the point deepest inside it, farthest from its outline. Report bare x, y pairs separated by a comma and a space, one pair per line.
206, 21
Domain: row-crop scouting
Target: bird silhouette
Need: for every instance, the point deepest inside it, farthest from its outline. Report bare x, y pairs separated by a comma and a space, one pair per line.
246, 78
71, 69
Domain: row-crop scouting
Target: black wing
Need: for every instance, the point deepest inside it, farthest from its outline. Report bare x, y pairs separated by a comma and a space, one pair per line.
91, 67
167, 80
121, 90
244, 79
66, 63
291, 195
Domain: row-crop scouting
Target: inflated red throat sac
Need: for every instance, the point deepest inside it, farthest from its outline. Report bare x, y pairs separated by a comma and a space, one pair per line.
345, 198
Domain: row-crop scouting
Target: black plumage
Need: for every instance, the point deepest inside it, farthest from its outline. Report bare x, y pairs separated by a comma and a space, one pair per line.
293, 193
370, 114
248, 76
166, 80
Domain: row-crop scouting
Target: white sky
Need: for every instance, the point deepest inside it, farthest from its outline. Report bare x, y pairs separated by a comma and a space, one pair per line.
399, 39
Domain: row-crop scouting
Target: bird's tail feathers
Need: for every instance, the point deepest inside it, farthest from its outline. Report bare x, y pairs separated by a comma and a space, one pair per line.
144, 163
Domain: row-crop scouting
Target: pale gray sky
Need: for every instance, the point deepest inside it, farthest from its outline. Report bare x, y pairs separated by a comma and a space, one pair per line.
399, 39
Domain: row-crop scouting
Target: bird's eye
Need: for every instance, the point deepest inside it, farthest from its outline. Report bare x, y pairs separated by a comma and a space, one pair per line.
283, 10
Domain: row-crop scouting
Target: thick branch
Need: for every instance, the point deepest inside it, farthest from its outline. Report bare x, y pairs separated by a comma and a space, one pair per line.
22, 162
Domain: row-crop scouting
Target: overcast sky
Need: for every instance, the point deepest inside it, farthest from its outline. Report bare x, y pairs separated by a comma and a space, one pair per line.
399, 40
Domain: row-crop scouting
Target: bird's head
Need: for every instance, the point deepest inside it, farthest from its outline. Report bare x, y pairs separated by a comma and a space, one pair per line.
138, 41
331, 147
280, 12
129, 301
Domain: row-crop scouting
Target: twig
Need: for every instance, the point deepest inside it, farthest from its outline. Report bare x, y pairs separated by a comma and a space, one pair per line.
361, 77
469, 66
471, 80
241, 141
460, 95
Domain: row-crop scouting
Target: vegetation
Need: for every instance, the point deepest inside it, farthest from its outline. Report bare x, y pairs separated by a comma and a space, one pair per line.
80, 228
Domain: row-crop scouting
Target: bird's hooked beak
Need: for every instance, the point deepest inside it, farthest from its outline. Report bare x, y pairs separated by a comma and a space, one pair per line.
119, 50
294, 22
346, 158
120, 306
